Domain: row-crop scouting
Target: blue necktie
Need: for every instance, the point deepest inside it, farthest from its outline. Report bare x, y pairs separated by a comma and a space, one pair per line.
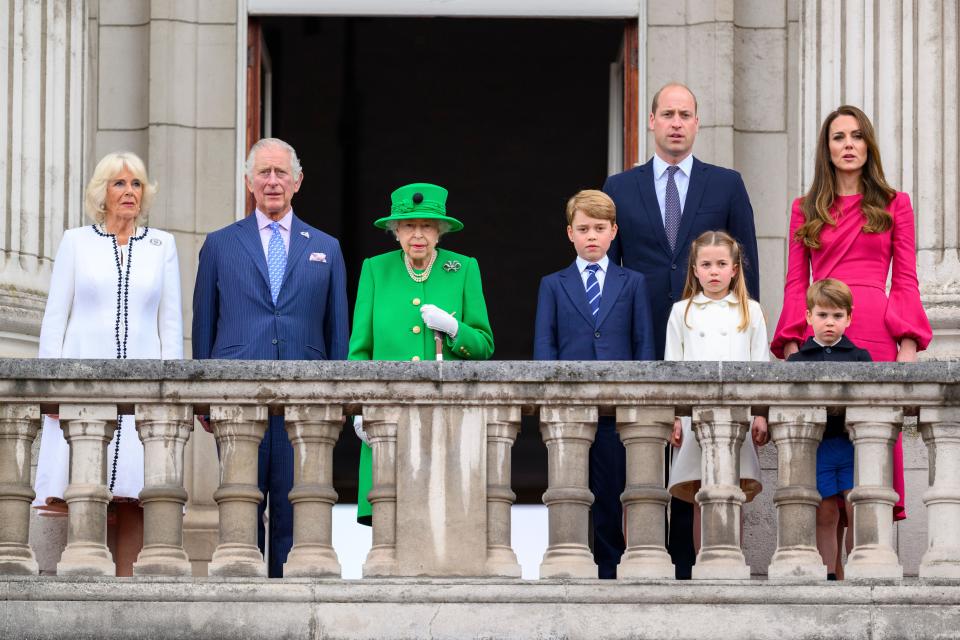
276, 261
593, 290
671, 208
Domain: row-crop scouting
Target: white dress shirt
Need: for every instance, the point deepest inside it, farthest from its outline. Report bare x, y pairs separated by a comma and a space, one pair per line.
601, 272
682, 178
263, 224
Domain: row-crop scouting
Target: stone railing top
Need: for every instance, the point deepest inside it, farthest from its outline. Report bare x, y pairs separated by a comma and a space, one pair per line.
478, 383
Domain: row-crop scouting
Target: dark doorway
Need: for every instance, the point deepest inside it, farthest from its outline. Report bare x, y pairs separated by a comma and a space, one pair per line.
510, 115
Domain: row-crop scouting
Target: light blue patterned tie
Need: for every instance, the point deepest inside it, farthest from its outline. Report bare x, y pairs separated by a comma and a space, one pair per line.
593, 290
276, 261
671, 208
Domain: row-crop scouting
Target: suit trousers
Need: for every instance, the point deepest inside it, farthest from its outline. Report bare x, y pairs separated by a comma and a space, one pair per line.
275, 478
608, 476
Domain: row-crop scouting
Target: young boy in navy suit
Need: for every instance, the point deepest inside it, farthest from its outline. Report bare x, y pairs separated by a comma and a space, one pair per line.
829, 312
596, 310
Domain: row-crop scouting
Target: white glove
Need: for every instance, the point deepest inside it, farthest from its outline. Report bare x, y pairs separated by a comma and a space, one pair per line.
358, 429
438, 319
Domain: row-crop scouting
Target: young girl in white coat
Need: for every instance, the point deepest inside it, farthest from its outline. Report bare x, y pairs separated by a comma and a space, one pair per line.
716, 320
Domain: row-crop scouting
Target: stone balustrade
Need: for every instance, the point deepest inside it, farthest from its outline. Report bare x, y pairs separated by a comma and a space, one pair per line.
441, 435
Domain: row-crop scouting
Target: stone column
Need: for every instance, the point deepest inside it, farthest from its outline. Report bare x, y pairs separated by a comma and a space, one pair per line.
720, 431
19, 424
239, 431
313, 431
874, 431
644, 432
380, 423
940, 427
503, 424
41, 164
797, 432
568, 433
164, 430
88, 429
896, 59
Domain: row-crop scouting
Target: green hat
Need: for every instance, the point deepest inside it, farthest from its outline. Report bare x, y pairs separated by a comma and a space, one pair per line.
419, 200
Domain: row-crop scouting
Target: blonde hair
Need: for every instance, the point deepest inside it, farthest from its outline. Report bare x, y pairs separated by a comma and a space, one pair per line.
830, 293
739, 287
594, 204
818, 201
109, 167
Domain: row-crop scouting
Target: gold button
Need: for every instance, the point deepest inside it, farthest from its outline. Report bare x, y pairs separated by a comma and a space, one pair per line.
416, 302
416, 329
415, 358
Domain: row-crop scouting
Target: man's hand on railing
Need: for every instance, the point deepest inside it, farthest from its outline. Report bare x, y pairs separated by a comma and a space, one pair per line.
760, 435
676, 438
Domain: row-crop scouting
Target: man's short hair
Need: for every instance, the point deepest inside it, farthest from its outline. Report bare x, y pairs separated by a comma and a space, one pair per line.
295, 167
829, 293
656, 97
594, 204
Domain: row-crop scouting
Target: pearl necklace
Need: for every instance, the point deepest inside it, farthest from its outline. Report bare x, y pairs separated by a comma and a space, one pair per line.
419, 277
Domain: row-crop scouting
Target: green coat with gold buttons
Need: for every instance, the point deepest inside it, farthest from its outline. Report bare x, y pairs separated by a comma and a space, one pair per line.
387, 323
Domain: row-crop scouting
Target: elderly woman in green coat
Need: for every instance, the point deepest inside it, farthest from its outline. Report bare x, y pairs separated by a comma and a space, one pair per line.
417, 302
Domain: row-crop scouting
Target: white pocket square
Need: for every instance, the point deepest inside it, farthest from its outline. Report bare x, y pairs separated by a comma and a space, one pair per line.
318, 257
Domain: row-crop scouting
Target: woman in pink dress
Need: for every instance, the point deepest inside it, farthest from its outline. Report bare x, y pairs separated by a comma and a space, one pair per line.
850, 226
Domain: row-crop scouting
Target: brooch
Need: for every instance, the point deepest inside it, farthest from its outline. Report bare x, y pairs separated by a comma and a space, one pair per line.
155, 241
451, 265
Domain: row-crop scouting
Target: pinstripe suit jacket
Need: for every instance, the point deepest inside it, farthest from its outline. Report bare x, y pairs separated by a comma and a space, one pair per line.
234, 316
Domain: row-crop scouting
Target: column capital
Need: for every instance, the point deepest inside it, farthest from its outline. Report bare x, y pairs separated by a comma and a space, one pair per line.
642, 415
934, 415
238, 413
568, 414
19, 411
92, 411
313, 413
888, 414
780, 414
721, 414
163, 412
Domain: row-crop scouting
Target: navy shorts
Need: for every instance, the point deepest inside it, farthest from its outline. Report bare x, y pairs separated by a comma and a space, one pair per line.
834, 466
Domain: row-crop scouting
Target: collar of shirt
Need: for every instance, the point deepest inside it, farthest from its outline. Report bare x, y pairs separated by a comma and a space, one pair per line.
604, 262
832, 344
702, 298
263, 225
681, 179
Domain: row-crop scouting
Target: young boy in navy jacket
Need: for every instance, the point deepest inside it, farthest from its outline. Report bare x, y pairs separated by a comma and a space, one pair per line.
829, 312
596, 310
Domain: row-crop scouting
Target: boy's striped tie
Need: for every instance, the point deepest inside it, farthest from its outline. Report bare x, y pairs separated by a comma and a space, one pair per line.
593, 290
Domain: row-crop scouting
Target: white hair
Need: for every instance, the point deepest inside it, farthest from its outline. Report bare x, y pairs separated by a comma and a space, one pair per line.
442, 225
295, 167
109, 167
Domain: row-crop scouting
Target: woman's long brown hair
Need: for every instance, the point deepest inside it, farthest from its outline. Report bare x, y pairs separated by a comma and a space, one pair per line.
738, 284
818, 201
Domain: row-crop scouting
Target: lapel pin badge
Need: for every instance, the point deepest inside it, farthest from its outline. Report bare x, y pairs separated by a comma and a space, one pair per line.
305, 234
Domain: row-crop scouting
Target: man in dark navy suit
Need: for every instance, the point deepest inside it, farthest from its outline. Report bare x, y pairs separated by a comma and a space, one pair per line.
271, 287
662, 206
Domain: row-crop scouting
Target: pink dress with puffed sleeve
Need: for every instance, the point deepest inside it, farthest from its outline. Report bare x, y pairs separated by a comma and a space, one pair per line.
881, 319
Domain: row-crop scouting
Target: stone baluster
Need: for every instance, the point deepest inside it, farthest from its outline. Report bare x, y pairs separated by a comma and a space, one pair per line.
940, 427
380, 423
19, 424
313, 431
720, 431
568, 433
503, 424
164, 430
874, 431
797, 432
88, 430
239, 431
644, 432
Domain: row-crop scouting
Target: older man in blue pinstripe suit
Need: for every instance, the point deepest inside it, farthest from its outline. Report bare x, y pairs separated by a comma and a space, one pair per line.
270, 287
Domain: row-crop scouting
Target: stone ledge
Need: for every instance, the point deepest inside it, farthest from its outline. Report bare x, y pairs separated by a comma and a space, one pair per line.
164, 608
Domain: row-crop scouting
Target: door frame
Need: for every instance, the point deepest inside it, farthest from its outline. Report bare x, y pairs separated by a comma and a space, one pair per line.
249, 97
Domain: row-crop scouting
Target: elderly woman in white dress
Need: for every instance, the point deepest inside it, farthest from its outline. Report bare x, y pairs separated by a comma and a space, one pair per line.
114, 293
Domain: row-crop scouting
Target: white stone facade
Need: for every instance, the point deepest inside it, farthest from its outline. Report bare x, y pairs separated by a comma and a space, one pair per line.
79, 78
